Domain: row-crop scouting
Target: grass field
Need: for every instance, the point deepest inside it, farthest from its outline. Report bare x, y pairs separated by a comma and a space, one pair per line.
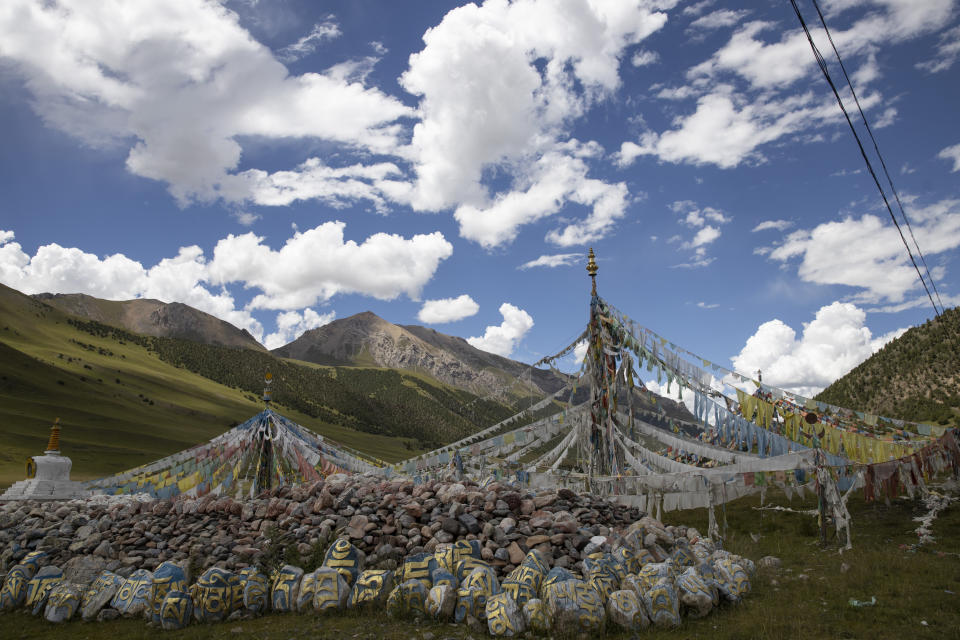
917, 593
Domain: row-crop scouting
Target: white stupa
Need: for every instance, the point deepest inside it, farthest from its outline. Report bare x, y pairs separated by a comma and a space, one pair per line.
48, 476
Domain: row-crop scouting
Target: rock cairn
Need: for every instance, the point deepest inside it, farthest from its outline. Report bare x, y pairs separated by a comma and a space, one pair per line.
552, 561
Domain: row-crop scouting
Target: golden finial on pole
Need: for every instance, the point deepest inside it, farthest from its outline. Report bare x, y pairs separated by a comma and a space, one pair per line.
54, 443
592, 270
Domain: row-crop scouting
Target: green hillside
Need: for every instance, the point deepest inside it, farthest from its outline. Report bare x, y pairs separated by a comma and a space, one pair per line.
125, 399
915, 377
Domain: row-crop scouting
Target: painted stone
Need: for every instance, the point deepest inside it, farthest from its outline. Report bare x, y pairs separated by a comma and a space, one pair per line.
256, 592
470, 602
466, 565
449, 554
345, 558
695, 594
176, 610
683, 556
662, 603
442, 602
330, 590
283, 596
574, 606
537, 561
633, 583
442, 576
100, 592
420, 566
308, 584
373, 587
133, 596
529, 576
625, 610
62, 603
654, 571
504, 617
166, 578
604, 585
34, 559
603, 565
40, 586
731, 579
408, 599
557, 574
519, 591
484, 579
628, 559
535, 616
212, 595
14, 590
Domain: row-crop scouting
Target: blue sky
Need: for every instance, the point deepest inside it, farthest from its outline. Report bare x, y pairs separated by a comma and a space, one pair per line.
280, 164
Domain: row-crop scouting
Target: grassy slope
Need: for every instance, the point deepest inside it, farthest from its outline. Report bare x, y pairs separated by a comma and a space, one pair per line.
108, 426
909, 587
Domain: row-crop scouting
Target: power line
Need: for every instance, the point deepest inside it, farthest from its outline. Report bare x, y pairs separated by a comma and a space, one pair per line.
876, 148
826, 74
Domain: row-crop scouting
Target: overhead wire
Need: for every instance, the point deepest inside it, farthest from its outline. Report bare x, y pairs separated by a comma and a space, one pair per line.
876, 148
826, 74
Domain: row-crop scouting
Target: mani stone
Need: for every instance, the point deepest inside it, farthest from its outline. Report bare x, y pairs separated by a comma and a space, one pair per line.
466, 565
213, 595
330, 590
470, 603
625, 610
574, 606
14, 590
696, 595
662, 603
283, 597
40, 586
420, 566
535, 616
484, 579
652, 572
409, 599
504, 617
441, 602
98, 594
731, 578
557, 574
167, 577
373, 586
345, 558
442, 576
62, 603
256, 591
132, 599
176, 610
308, 584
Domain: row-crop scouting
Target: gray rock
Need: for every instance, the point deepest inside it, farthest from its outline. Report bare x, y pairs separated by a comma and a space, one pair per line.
625, 610
62, 602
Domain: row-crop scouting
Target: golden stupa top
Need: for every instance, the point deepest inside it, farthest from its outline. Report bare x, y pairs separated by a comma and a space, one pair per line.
54, 442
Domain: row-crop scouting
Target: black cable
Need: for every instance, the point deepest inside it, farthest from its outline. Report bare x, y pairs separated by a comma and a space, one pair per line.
826, 74
876, 148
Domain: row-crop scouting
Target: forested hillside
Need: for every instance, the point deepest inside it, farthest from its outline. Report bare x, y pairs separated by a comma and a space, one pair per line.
915, 377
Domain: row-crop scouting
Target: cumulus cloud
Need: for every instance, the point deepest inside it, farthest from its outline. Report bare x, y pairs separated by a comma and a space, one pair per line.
314, 265
309, 268
644, 58
832, 344
503, 338
777, 225
867, 253
580, 352
246, 218
691, 215
293, 324
718, 19
447, 309
555, 260
182, 85
499, 85
951, 153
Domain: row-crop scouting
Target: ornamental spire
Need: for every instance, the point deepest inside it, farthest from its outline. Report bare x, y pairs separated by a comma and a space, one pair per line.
54, 443
592, 270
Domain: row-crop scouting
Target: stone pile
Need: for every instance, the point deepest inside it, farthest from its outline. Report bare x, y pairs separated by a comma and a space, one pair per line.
445, 550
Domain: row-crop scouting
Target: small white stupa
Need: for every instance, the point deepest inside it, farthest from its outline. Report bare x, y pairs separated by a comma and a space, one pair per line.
48, 476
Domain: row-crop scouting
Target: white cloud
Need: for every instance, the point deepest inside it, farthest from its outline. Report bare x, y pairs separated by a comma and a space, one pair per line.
580, 352
551, 261
777, 225
704, 305
948, 52
719, 18
316, 264
447, 310
692, 215
326, 30
499, 86
503, 339
951, 153
703, 237
644, 58
293, 324
246, 218
183, 85
832, 344
695, 217
868, 255
698, 7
